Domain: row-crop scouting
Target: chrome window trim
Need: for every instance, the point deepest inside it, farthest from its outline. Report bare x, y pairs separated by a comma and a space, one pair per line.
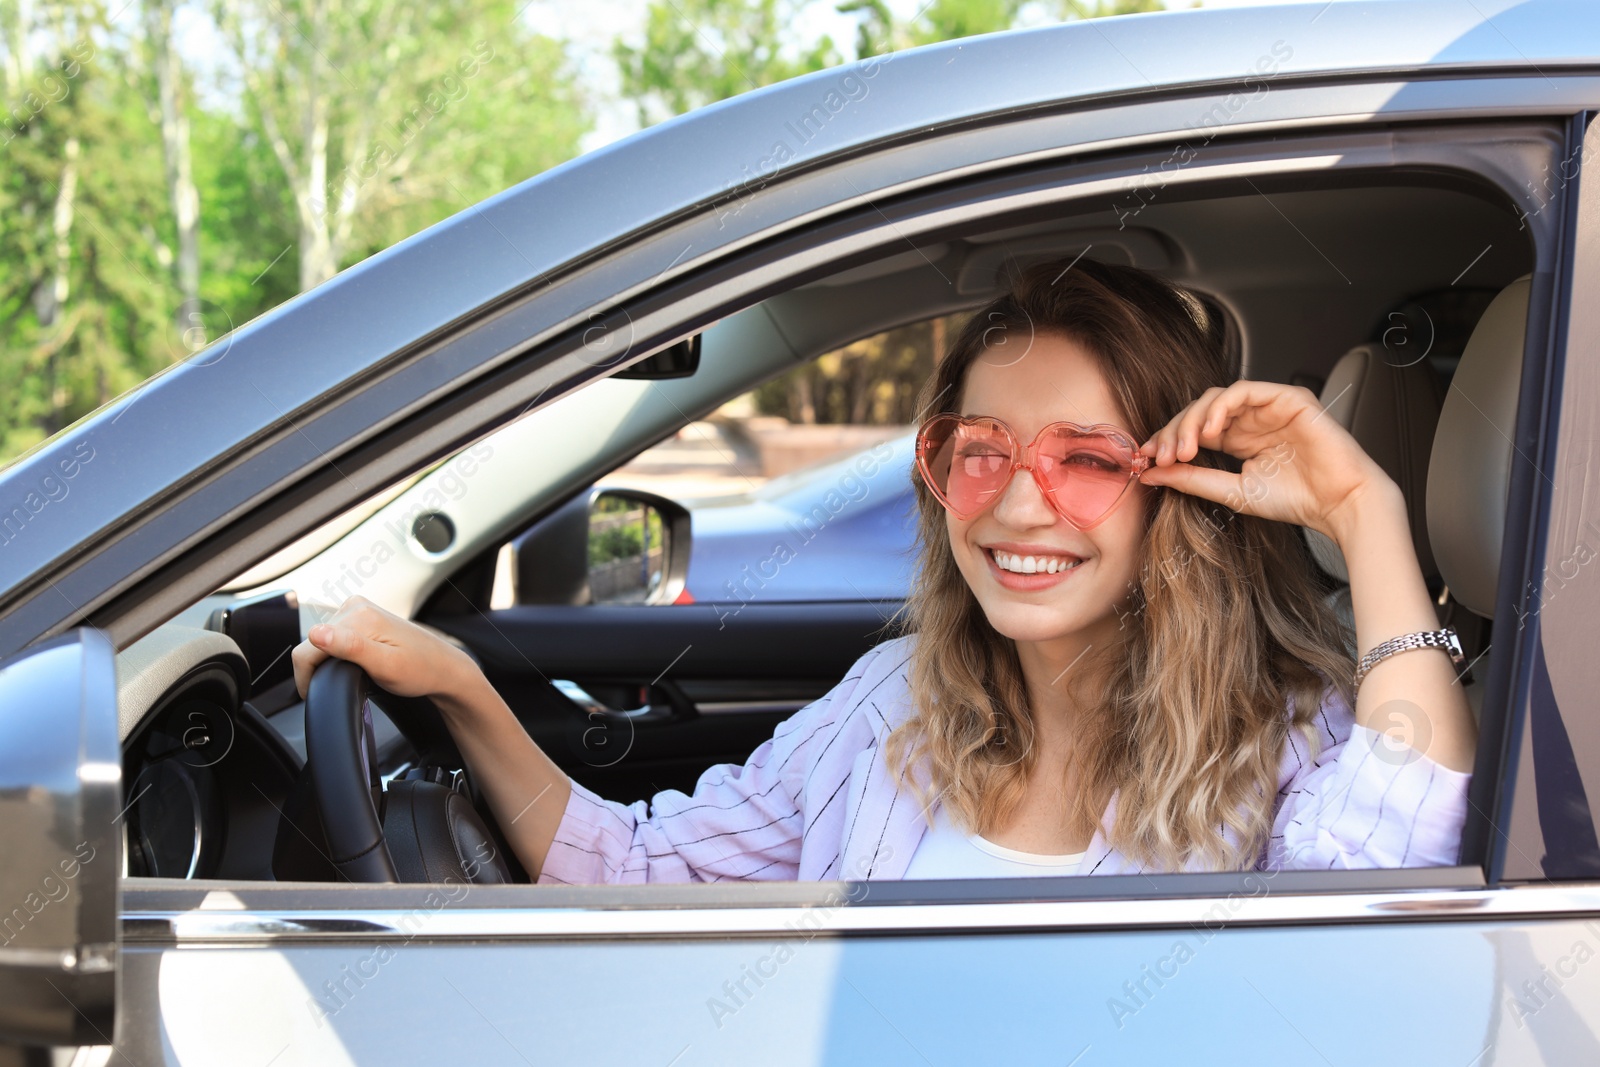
204, 926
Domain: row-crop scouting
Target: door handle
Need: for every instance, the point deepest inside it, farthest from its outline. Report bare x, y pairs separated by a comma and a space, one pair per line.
580, 696
675, 705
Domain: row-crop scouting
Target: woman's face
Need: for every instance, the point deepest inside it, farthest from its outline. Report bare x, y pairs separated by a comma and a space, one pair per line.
1056, 380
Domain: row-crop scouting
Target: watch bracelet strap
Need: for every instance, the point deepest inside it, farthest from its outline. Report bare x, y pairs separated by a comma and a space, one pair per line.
1445, 640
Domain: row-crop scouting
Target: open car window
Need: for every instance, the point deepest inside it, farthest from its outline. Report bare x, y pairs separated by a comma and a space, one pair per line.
692, 659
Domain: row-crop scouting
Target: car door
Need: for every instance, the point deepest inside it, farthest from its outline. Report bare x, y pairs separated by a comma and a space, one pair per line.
1437, 965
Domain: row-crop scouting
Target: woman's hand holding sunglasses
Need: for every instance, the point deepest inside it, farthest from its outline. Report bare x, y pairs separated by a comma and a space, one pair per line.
1299, 466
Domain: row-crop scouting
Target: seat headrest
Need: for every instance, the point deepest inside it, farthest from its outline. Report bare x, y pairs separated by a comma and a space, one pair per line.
1391, 410
1470, 471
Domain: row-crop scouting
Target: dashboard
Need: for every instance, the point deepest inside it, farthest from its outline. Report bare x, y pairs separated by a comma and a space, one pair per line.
174, 789
214, 750
207, 778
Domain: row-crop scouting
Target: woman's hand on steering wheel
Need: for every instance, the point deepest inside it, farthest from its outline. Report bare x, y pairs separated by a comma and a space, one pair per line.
525, 789
1299, 466
399, 656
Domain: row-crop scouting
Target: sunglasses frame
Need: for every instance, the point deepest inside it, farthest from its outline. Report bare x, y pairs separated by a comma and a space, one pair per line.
1026, 458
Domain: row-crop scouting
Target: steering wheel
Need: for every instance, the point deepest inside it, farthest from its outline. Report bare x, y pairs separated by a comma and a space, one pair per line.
417, 830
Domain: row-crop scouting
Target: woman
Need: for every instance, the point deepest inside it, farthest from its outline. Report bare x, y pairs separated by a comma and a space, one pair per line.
1119, 656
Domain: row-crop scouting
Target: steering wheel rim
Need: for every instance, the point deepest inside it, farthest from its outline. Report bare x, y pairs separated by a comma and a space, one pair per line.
341, 779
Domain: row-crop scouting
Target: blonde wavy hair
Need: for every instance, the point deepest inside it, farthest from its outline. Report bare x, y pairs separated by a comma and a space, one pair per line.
1229, 640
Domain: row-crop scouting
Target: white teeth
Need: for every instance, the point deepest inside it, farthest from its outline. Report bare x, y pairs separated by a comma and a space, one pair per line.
1010, 561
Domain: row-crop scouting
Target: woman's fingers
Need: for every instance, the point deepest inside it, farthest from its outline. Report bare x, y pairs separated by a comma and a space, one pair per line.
1208, 483
1164, 443
1186, 444
1274, 429
323, 641
306, 658
341, 637
1255, 406
1241, 419
399, 656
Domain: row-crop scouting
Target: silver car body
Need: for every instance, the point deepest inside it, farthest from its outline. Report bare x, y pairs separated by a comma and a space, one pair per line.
494, 314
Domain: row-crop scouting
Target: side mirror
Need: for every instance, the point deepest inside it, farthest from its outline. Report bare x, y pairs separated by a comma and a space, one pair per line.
632, 536
60, 804
604, 546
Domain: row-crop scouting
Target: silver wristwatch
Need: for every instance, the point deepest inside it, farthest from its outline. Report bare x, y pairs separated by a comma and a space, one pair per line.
1445, 639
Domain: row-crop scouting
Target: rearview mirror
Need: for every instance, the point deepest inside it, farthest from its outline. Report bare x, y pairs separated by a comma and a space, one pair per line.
679, 360
60, 802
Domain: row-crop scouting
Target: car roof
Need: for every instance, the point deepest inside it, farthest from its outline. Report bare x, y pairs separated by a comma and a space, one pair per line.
219, 401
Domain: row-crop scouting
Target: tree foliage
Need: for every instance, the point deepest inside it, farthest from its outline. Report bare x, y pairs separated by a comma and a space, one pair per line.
333, 131
696, 52
373, 108
873, 381
84, 302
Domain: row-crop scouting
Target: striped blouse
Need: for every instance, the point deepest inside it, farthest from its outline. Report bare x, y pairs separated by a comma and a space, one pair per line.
817, 801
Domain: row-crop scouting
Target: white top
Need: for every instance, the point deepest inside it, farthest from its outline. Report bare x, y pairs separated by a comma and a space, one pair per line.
946, 852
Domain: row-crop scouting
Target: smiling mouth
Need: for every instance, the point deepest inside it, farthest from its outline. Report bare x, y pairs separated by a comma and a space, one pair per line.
1015, 563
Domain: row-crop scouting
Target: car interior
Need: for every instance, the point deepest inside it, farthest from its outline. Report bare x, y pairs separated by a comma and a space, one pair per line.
1400, 297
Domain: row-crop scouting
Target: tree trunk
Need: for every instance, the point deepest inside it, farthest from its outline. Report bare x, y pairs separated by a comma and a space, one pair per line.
18, 55
179, 170
318, 258
805, 407
860, 388
51, 295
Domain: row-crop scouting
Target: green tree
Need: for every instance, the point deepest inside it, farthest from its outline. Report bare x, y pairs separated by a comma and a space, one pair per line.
1082, 9
878, 32
355, 98
345, 126
518, 116
410, 113
873, 381
697, 52
947, 20
170, 113
85, 296
248, 226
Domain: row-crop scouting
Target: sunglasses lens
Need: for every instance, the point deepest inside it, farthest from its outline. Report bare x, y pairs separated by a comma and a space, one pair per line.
966, 464
1087, 473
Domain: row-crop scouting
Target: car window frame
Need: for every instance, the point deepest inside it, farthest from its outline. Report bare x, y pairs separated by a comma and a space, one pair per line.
1359, 894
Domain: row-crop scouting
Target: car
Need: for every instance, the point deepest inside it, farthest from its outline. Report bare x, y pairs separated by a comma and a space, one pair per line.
1392, 198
